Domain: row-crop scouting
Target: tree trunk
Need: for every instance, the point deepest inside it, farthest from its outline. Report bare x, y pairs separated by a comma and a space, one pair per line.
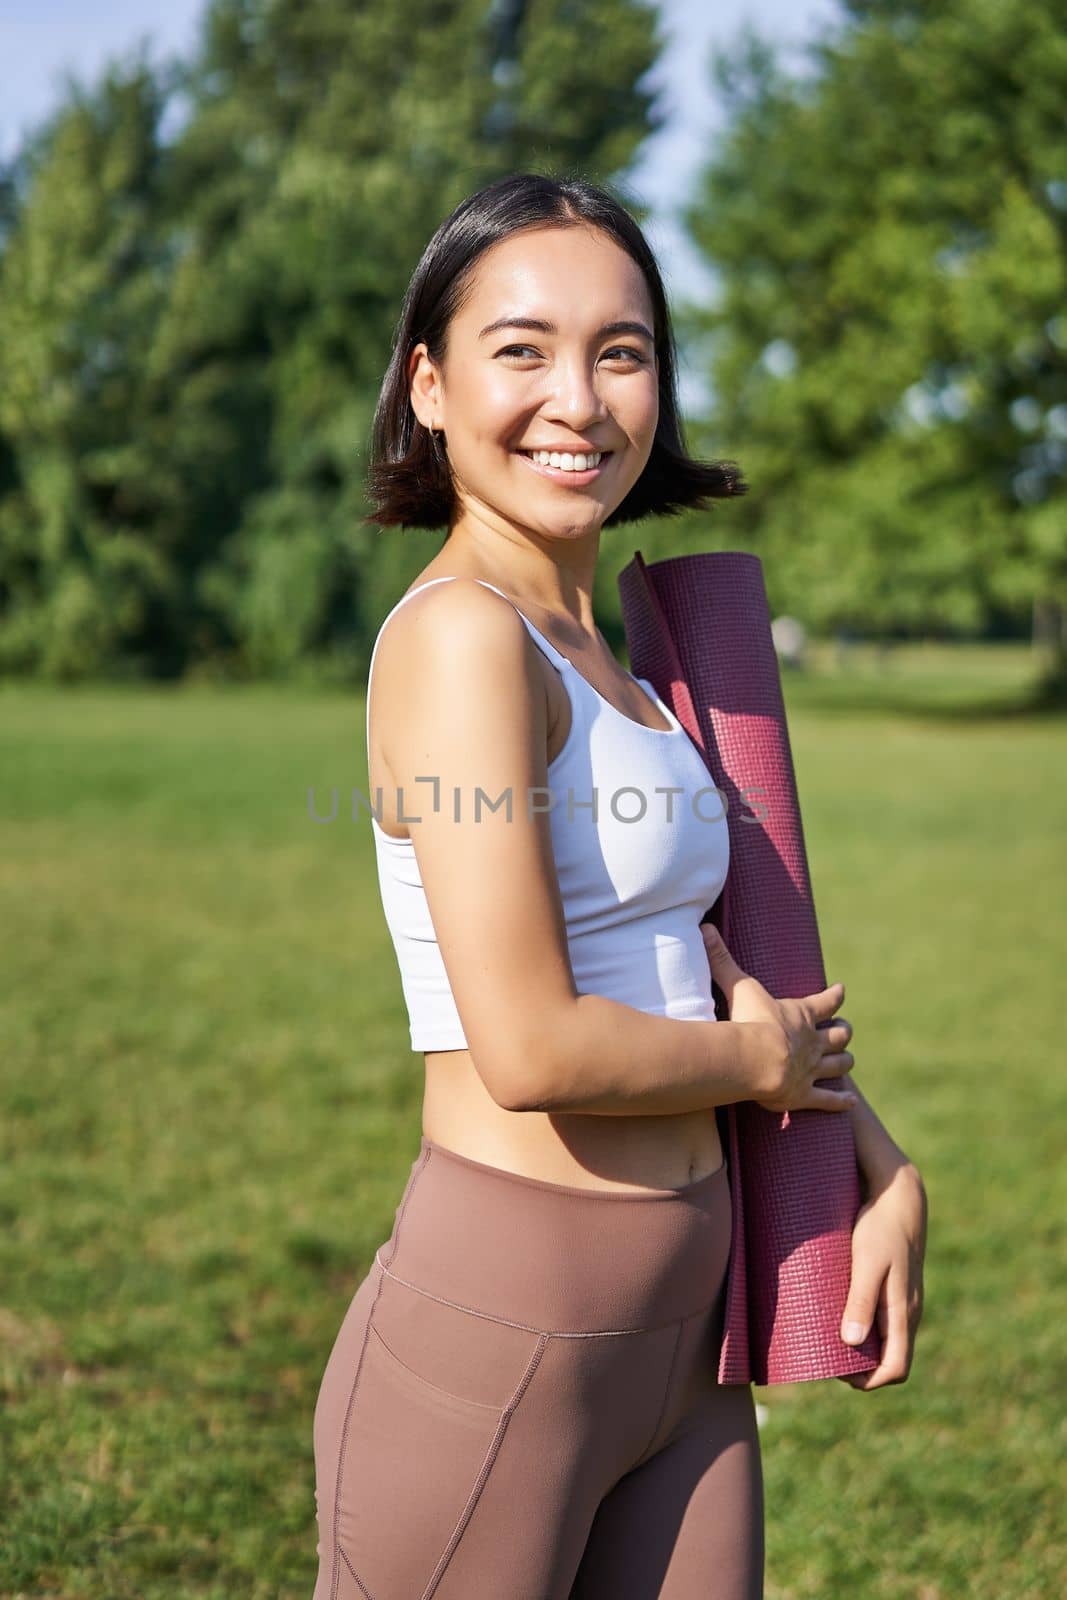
1049, 645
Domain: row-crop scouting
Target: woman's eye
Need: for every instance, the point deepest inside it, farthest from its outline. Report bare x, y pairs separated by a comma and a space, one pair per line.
617, 350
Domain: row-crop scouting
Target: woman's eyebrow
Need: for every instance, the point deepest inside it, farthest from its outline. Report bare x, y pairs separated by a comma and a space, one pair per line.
537, 325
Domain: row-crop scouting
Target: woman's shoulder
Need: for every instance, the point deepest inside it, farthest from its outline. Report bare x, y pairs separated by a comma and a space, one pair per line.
448, 631
442, 609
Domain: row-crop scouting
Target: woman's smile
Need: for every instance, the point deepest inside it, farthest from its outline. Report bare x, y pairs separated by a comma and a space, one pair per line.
563, 474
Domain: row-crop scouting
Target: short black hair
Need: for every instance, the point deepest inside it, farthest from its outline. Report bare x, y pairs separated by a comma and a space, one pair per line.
408, 479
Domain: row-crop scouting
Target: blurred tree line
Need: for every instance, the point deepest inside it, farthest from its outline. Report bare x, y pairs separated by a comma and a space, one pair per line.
890, 341
194, 323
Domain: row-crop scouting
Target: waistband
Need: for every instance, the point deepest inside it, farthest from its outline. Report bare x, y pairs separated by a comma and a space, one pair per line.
555, 1256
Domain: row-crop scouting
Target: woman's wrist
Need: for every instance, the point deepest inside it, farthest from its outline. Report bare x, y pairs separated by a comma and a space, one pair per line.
759, 1053
878, 1156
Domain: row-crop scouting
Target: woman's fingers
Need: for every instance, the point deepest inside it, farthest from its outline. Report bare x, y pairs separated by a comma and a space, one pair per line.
835, 1066
825, 1002
714, 942
830, 1100
725, 969
836, 1034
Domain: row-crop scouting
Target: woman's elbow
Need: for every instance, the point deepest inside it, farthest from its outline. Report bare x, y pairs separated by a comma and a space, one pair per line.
519, 1086
522, 1075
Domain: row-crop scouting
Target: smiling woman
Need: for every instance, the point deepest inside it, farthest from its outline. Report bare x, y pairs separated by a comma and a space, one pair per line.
522, 1398
414, 458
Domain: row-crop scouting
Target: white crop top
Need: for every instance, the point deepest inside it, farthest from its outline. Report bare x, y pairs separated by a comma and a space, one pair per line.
635, 882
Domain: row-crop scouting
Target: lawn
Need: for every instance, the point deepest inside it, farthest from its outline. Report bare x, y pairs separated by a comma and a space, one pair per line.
209, 1110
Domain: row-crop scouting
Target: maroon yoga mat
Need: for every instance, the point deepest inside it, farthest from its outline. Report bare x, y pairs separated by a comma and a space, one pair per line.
699, 628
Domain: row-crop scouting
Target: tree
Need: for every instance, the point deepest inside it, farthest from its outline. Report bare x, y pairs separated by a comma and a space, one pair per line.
889, 346
83, 574
198, 327
327, 140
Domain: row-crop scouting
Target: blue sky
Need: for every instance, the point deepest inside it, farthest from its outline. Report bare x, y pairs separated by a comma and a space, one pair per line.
39, 38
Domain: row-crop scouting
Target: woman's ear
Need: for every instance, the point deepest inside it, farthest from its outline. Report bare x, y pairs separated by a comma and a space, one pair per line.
423, 386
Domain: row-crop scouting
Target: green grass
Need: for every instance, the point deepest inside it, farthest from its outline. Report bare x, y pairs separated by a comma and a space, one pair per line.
968, 681
208, 1110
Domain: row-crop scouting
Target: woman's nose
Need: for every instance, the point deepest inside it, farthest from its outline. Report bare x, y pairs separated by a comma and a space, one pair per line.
575, 397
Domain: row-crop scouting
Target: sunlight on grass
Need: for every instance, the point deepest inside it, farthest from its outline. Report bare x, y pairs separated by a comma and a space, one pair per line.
210, 1107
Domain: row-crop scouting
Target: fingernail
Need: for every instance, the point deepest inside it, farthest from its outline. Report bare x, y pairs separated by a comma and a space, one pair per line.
852, 1332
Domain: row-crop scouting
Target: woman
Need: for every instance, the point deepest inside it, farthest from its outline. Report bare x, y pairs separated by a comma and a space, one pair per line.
521, 1401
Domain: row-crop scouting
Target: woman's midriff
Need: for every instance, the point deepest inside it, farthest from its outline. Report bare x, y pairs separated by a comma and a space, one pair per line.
623, 1153
594, 1152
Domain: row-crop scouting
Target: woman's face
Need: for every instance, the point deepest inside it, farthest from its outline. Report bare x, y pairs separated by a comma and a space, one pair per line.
506, 391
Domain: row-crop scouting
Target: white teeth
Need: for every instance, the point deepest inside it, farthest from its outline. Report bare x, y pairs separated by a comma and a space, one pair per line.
565, 460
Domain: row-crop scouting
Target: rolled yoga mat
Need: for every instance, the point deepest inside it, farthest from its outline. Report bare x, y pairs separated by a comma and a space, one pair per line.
699, 628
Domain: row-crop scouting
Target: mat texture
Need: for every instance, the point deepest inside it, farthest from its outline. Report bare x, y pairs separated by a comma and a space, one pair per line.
699, 628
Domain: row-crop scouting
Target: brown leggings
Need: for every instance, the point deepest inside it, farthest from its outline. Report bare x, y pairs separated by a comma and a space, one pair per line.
521, 1400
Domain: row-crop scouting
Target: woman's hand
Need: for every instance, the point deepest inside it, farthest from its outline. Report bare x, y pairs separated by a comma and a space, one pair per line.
803, 1043
888, 1249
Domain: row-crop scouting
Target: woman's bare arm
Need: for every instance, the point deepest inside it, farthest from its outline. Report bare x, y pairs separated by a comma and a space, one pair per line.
878, 1155
461, 700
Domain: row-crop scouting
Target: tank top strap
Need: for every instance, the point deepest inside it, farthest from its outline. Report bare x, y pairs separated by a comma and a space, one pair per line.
370, 667
555, 656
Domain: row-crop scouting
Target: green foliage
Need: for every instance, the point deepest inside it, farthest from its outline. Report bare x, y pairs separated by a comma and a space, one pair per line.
84, 573
888, 346
195, 332
194, 328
